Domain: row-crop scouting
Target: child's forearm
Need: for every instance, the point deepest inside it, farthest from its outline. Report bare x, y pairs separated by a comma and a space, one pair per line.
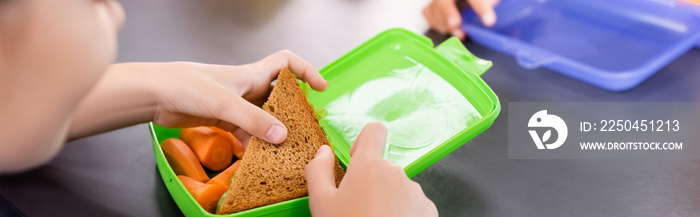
123, 97
177, 95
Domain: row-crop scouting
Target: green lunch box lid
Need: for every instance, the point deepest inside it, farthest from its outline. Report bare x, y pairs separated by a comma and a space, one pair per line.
432, 100
397, 78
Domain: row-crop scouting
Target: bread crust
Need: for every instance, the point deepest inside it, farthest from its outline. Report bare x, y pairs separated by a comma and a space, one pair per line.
272, 173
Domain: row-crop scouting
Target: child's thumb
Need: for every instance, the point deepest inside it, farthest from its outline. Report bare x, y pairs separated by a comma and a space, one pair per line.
251, 118
320, 177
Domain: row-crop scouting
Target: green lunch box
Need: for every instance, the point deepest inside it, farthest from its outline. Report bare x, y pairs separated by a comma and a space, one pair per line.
432, 101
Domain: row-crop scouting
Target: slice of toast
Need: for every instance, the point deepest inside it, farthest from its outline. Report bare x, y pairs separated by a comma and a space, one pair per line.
272, 173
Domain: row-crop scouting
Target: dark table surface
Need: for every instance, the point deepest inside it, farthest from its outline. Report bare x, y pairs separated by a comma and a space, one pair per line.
114, 174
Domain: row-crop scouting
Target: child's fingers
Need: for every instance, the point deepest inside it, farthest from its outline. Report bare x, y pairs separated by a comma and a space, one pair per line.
435, 19
224, 125
431, 208
444, 17
300, 67
242, 136
484, 9
370, 142
320, 176
236, 110
452, 18
237, 132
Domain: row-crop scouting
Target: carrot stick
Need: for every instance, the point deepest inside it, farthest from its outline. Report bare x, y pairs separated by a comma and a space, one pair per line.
189, 183
182, 160
225, 176
213, 149
238, 149
207, 195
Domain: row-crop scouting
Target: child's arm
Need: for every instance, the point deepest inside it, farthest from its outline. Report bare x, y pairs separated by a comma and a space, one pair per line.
185, 94
372, 186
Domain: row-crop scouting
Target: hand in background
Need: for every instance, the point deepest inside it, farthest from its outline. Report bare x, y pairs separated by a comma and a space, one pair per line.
444, 16
372, 186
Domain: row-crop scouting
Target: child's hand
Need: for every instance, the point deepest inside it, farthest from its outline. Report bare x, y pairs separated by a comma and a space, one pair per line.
372, 186
230, 96
444, 17
184, 94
